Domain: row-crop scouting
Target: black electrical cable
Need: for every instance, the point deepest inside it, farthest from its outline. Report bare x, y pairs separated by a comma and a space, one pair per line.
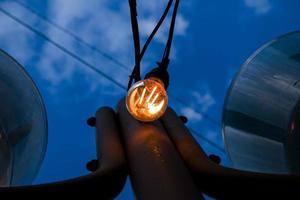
149, 39
136, 39
161, 72
161, 20
165, 59
94, 48
76, 57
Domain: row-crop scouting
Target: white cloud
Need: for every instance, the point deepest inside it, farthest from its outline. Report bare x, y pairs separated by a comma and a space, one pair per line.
181, 25
103, 23
200, 103
204, 100
259, 6
14, 39
191, 114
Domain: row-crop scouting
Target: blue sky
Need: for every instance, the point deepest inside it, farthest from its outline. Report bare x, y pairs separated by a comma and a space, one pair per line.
212, 40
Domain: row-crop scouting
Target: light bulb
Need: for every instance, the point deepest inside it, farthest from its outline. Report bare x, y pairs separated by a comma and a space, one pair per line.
147, 100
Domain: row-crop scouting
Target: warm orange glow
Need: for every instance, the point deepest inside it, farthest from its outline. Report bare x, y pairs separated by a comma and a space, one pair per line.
147, 100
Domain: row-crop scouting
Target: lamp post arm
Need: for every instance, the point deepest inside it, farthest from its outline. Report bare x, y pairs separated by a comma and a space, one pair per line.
108, 180
222, 182
155, 167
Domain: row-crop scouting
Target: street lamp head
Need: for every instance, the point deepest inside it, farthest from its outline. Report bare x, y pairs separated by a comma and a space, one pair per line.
147, 99
262, 109
23, 125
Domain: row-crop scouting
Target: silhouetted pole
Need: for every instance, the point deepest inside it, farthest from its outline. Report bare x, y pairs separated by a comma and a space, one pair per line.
156, 170
165, 162
108, 180
221, 182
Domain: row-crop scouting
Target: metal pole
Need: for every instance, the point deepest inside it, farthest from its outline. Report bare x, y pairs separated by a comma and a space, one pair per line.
156, 169
108, 180
221, 182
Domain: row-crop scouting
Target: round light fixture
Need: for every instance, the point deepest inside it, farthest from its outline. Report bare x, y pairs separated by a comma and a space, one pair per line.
23, 125
147, 99
262, 109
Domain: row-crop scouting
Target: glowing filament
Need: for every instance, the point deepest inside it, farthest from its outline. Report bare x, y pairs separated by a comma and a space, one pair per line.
142, 97
151, 94
153, 101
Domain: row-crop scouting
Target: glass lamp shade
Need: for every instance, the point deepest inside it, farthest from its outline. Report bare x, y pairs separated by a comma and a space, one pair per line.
261, 115
23, 125
147, 100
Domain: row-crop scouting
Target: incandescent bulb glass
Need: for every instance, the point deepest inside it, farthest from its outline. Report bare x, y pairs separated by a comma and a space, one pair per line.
147, 100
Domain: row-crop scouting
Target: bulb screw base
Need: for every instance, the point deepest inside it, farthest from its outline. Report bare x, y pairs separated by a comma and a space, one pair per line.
161, 74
